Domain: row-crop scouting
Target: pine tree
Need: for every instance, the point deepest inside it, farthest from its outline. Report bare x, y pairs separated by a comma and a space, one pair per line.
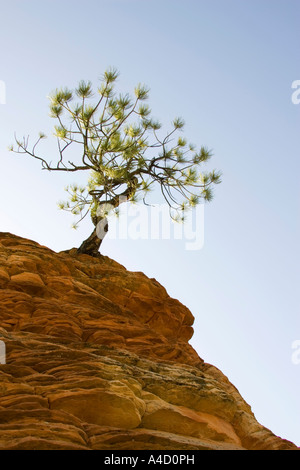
122, 149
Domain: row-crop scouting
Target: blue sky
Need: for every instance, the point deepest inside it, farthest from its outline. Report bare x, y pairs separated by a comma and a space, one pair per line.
226, 67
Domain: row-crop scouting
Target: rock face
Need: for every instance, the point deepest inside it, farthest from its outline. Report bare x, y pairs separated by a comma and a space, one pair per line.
97, 357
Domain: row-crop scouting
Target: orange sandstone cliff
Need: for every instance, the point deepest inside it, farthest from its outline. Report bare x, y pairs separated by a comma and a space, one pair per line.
97, 357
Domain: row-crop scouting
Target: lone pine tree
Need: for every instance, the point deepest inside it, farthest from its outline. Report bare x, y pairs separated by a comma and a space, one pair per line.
122, 148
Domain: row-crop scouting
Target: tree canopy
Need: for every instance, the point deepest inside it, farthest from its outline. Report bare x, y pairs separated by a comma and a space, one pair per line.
124, 150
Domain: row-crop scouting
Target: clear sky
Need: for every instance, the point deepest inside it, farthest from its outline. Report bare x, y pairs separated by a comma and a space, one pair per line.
226, 67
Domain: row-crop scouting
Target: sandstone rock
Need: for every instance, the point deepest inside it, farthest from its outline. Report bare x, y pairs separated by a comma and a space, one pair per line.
4, 275
98, 358
27, 280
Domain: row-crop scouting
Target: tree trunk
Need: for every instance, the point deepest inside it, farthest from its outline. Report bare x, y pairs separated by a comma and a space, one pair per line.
91, 245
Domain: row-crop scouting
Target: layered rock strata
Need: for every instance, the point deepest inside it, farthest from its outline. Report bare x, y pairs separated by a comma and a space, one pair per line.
98, 357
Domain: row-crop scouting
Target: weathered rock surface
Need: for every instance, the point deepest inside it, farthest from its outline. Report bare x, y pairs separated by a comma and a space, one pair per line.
98, 358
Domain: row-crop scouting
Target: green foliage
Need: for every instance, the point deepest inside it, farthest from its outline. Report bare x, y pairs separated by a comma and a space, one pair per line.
84, 89
55, 110
141, 92
123, 150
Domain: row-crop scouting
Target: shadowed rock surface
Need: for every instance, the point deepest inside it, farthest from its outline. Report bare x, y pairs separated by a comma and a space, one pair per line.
97, 357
